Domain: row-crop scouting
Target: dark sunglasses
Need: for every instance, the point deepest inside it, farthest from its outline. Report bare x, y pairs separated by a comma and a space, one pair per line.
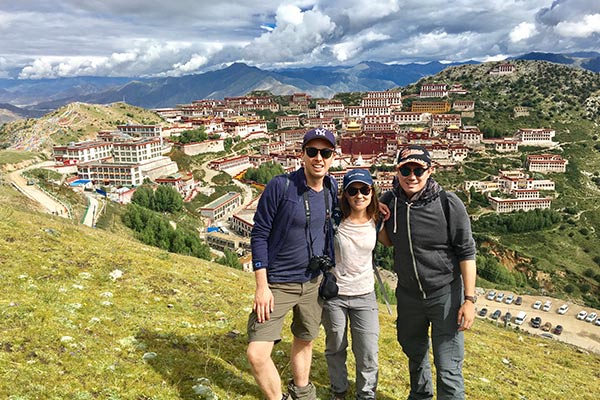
312, 152
353, 191
418, 171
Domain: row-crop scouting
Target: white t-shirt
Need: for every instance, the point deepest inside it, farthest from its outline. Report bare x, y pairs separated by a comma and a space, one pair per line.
354, 245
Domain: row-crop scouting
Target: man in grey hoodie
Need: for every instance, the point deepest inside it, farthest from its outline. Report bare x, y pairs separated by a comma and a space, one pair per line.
434, 258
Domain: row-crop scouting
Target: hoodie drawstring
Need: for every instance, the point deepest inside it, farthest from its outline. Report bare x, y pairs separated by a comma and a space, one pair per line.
395, 214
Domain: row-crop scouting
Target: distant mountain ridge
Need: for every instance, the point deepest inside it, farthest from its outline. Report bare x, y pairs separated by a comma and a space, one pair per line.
589, 60
237, 80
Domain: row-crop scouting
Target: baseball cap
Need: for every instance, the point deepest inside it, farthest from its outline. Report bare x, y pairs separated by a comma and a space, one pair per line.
414, 154
318, 133
357, 175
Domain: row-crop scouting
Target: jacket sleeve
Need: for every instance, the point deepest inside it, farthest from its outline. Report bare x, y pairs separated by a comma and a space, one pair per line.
460, 229
386, 197
264, 217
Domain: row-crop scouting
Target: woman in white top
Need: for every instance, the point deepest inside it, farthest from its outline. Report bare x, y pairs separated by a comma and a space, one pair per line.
356, 303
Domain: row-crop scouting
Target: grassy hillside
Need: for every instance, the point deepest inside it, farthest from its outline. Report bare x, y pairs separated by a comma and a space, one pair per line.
87, 314
73, 122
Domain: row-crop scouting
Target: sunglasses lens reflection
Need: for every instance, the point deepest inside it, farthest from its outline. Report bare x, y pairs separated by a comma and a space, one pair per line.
353, 191
313, 151
406, 171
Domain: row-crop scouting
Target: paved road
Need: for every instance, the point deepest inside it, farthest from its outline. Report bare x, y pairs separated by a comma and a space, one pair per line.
46, 202
92, 212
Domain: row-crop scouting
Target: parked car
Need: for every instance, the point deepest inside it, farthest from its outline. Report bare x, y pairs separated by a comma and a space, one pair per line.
500, 297
558, 329
591, 317
491, 295
537, 305
536, 322
509, 299
547, 305
483, 312
563, 309
496, 314
547, 326
518, 301
582, 314
520, 318
597, 322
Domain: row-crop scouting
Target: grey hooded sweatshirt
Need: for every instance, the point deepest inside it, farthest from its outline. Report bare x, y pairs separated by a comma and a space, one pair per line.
426, 260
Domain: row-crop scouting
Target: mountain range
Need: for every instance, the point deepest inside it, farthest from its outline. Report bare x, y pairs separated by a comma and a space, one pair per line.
36, 97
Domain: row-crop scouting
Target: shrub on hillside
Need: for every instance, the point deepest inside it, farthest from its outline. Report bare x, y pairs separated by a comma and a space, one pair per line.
153, 229
163, 199
517, 222
264, 173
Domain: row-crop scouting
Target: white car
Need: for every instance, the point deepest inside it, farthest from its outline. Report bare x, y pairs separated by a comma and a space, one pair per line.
509, 299
563, 309
500, 297
591, 317
582, 314
547, 306
597, 322
491, 295
537, 305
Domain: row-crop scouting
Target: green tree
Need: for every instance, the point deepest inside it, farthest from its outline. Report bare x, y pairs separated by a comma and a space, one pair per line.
230, 259
264, 173
143, 196
193, 135
167, 198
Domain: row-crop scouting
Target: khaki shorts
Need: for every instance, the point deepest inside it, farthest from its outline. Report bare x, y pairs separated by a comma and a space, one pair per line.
303, 299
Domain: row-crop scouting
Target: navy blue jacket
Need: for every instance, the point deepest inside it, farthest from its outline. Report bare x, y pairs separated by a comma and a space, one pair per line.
282, 195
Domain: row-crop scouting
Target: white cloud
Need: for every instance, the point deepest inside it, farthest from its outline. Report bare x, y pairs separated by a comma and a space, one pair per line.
289, 14
141, 38
119, 58
352, 47
292, 41
497, 57
523, 31
589, 25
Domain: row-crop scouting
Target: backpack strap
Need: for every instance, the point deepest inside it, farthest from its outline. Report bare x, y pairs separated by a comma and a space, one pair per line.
445, 206
446, 209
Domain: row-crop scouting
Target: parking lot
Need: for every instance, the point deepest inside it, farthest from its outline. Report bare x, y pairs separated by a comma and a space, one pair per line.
580, 333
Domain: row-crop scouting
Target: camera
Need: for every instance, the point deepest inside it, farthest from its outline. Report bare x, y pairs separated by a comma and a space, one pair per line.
322, 263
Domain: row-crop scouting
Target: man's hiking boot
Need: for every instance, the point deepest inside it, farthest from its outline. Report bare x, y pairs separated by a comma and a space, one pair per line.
308, 392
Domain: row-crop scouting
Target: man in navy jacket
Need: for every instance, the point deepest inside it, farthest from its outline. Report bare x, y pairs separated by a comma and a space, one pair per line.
292, 233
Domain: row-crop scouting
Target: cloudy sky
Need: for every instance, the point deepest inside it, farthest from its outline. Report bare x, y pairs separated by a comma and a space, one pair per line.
63, 38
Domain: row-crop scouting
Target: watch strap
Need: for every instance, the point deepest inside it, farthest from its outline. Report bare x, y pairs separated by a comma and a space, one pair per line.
472, 299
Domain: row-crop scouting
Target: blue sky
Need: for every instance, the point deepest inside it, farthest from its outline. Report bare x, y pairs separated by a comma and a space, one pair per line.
62, 38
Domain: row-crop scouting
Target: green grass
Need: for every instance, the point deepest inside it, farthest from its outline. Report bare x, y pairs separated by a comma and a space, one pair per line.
14, 157
171, 323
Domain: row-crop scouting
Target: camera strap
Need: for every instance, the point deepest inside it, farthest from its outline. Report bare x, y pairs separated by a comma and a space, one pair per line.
325, 224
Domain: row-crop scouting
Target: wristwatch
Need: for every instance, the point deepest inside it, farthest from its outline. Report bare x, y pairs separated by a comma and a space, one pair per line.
472, 299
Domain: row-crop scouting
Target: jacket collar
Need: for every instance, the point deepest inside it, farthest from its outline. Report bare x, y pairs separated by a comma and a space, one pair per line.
429, 193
